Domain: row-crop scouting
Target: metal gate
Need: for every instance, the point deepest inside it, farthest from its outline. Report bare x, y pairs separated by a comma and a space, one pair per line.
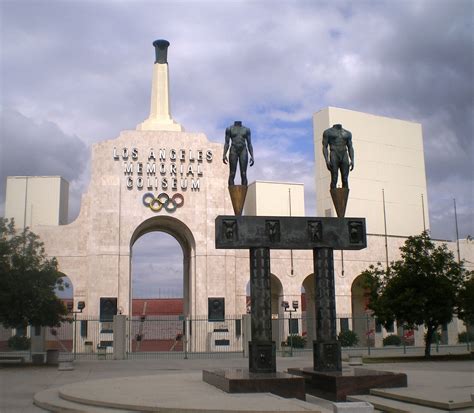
179, 336
156, 334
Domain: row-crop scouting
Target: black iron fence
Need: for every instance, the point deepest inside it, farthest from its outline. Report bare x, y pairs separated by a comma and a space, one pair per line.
84, 337
76, 337
185, 336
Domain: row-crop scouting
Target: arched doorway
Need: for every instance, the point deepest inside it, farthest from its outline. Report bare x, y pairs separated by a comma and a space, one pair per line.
308, 307
277, 311
361, 322
61, 337
65, 292
278, 326
276, 293
157, 275
162, 253
277, 296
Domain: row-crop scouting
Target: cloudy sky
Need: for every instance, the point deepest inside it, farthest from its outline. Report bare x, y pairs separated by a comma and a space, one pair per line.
78, 72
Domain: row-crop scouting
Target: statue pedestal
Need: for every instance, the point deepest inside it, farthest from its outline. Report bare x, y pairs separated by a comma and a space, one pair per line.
337, 385
339, 198
237, 196
243, 381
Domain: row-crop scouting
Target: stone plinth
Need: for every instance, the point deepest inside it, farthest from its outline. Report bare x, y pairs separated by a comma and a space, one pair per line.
244, 381
237, 195
336, 386
339, 198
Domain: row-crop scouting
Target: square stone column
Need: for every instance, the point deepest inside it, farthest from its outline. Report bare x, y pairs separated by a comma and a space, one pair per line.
326, 348
262, 357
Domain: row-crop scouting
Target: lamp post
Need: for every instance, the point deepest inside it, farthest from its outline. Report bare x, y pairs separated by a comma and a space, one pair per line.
80, 306
286, 308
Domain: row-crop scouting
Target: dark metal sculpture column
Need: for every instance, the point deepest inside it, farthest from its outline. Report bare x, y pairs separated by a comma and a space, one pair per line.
261, 349
326, 348
262, 234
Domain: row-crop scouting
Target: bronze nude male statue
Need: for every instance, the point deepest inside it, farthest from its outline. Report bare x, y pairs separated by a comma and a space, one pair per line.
341, 156
239, 149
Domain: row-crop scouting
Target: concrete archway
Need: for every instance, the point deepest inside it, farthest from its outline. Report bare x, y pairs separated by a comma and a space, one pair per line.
359, 303
67, 293
277, 295
309, 319
185, 238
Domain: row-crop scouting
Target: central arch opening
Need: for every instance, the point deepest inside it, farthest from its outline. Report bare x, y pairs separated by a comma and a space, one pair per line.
161, 256
157, 275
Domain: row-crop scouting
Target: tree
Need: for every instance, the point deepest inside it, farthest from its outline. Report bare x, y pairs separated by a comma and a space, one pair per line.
466, 301
421, 288
28, 280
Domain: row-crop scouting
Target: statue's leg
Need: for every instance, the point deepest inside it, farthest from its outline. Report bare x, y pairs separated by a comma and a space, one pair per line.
345, 172
233, 158
334, 162
243, 162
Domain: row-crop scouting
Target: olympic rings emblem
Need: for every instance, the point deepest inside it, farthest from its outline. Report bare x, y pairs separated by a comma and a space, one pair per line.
155, 203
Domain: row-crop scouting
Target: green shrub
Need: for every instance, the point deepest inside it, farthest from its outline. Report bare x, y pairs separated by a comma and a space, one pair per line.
348, 338
296, 341
465, 337
19, 343
392, 340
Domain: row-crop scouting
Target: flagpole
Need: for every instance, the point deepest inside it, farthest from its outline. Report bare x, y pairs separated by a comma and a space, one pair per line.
291, 251
385, 226
423, 210
457, 231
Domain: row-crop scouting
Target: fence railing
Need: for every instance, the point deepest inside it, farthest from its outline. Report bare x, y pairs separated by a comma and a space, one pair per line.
185, 337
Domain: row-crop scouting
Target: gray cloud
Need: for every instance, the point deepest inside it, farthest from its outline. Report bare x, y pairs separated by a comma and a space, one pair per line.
87, 68
31, 148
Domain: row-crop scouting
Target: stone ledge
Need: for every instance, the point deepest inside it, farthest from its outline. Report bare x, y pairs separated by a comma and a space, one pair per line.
336, 386
242, 381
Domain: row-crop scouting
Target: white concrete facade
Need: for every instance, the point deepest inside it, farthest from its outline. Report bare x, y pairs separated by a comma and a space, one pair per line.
275, 198
133, 175
94, 250
388, 156
160, 113
37, 200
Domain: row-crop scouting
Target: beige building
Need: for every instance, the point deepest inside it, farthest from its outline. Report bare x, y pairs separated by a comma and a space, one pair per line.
159, 178
275, 198
37, 200
389, 162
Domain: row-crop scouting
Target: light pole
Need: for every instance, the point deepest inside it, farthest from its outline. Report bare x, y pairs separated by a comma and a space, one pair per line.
80, 306
286, 308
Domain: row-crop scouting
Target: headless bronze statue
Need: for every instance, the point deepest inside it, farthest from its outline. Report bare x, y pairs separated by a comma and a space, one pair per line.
239, 149
341, 157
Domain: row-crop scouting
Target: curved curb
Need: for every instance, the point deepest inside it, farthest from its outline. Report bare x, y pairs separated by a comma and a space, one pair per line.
182, 392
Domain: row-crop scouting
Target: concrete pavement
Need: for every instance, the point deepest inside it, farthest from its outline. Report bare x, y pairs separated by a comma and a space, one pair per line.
441, 380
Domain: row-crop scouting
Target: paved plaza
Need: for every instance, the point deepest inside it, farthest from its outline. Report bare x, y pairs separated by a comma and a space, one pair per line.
453, 380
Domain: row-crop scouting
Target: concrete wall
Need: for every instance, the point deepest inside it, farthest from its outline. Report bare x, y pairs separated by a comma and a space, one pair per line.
389, 156
94, 250
37, 200
275, 199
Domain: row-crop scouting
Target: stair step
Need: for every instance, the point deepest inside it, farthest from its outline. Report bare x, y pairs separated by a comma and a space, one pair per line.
392, 406
428, 400
49, 400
